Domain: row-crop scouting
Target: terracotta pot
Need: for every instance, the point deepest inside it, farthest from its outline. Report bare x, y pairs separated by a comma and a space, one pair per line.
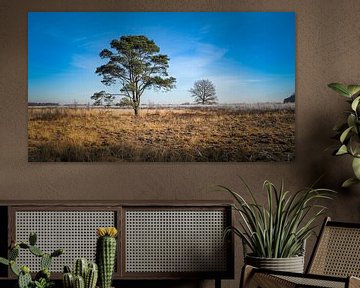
291, 264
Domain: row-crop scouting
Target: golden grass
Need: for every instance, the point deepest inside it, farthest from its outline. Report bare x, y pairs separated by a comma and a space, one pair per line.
221, 135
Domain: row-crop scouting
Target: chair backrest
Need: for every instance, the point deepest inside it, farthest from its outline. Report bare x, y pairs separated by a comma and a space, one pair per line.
337, 251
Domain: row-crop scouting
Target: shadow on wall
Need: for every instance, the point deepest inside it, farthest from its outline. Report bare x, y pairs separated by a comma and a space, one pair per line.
320, 164
333, 170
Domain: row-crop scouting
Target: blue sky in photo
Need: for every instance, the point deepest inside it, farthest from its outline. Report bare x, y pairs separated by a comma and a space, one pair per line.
249, 56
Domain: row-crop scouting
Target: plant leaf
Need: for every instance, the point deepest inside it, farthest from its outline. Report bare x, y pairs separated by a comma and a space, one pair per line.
356, 167
354, 145
355, 103
351, 120
4, 261
279, 228
14, 268
353, 89
349, 182
345, 134
342, 150
340, 88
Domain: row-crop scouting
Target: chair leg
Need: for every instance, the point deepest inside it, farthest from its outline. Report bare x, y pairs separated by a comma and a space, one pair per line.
246, 274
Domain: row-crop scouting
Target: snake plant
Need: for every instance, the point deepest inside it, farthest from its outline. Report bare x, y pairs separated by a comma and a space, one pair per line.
279, 228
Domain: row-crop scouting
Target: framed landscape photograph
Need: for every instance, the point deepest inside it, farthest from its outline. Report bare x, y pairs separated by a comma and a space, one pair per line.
161, 86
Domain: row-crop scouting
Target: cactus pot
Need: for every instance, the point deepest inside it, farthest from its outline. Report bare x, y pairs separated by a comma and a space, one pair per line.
291, 264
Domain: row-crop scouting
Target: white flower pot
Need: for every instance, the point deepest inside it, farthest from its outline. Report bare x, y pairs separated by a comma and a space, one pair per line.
291, 264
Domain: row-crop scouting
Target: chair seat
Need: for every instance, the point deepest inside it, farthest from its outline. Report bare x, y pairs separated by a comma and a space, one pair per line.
315, 282
267, 279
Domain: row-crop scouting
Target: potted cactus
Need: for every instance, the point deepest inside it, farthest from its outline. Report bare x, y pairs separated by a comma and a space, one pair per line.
42, 278
106, 254
85, 275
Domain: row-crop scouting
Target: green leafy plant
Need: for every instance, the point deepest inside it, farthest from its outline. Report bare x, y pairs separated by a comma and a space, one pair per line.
43, 283
349, 132
279, 229
42, 278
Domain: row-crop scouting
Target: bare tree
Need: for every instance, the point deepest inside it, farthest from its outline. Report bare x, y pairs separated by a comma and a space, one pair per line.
204, 92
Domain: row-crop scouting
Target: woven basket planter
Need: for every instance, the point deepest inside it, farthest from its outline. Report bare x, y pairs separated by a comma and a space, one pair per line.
291, 264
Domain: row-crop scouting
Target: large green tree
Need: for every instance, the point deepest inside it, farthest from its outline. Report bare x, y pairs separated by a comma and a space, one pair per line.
136, 63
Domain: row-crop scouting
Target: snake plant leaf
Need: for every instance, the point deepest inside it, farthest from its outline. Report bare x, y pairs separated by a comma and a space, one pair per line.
353, 89
356, 167
349, 182
355, 103
345, 134
340, 88
342, 150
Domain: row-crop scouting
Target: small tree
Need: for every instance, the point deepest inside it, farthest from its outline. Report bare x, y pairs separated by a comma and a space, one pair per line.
137, 64
103, 98
124, 102
204, 92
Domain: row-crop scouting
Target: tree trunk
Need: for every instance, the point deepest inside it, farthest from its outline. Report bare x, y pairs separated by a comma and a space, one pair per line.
136, 111
135, 105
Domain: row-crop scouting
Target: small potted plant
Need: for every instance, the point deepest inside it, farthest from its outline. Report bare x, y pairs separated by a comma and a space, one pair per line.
42, 278
84, 274
349, 131
106, 254
276, 233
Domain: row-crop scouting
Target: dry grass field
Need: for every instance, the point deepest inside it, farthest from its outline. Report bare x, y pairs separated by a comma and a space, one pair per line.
161, 135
